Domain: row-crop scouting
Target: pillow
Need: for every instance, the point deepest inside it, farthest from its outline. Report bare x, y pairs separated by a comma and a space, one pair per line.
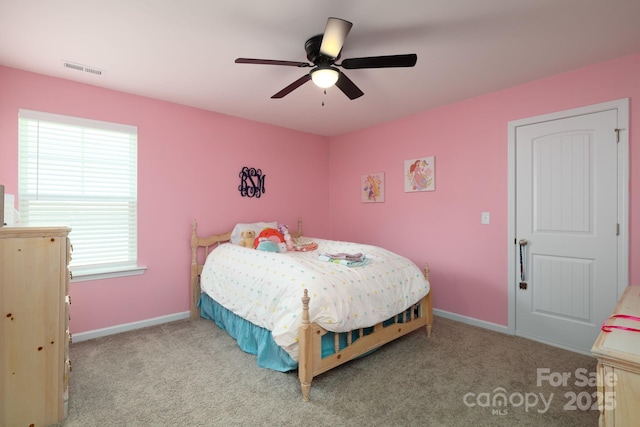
255, 226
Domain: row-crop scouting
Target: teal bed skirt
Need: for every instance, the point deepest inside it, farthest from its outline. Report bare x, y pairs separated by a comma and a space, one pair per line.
251, 338
259, 341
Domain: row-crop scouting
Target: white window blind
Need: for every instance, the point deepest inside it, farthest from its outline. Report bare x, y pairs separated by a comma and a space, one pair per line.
83, 174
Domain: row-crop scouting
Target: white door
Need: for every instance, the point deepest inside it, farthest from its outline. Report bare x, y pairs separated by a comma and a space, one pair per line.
566, 217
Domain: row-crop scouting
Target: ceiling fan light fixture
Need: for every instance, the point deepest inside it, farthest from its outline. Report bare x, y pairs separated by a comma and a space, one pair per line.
325, 77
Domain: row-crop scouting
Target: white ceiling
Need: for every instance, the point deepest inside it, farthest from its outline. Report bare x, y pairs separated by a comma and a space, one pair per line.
184, 51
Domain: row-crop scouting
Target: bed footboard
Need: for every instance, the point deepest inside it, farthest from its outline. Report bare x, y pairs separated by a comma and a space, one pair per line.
310, 360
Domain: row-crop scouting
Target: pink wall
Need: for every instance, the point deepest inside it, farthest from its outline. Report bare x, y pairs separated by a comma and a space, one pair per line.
469, 140
188, 165
189, 160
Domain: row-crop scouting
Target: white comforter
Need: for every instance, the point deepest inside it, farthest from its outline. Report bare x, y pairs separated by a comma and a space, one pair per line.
265, 288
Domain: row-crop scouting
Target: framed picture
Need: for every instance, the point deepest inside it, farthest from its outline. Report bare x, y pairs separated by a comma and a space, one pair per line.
372, 187
420, 174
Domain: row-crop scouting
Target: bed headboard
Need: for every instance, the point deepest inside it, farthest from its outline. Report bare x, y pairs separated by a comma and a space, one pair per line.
200, 248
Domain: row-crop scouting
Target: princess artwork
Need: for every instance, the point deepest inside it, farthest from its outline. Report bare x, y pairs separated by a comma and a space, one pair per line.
372, 187
419, 174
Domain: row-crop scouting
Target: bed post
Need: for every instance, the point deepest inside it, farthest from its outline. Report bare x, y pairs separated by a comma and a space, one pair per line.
428, 300
195, 289
305, 353
298, 232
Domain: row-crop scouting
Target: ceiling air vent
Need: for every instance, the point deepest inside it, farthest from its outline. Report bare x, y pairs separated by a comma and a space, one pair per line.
85, 68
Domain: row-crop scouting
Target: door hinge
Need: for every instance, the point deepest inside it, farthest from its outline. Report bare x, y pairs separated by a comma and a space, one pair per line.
618, 229
617, 131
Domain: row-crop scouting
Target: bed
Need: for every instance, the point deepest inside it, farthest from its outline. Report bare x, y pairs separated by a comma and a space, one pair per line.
298, 311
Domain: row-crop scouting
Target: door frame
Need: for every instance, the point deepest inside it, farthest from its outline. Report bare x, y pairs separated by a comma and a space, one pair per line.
622, 105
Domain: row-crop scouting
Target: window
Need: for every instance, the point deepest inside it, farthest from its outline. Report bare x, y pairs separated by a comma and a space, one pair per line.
83, 174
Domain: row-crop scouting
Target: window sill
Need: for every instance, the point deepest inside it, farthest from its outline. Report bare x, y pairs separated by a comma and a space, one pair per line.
86, 276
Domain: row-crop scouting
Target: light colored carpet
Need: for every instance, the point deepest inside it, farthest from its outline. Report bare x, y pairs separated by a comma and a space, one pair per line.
190, 373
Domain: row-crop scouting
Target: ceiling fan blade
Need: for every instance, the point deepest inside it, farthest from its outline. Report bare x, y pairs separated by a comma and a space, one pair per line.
387, 61
349, 88
287, 90
335, 33
271, 62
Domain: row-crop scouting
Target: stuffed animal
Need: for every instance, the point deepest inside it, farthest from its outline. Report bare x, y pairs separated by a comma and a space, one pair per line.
247, 238
267, 245
269, 234
284, 230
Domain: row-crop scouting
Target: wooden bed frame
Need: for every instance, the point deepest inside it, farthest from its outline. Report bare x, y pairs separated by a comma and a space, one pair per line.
311, 363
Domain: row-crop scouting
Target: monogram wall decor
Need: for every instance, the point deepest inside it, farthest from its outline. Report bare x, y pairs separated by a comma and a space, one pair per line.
251, 182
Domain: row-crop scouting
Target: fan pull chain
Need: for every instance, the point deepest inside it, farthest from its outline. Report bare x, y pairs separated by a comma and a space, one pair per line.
325, 94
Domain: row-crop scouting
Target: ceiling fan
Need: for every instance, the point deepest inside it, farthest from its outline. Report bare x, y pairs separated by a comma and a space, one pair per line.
323, 51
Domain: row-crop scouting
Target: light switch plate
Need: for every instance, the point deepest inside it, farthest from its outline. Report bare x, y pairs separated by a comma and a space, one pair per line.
486, 218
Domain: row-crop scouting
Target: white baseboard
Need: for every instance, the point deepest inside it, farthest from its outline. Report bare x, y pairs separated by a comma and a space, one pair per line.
471, 321
503, 329
97, 333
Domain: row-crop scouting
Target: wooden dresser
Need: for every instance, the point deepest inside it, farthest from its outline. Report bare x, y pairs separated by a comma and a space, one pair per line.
34, 334
618, 354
